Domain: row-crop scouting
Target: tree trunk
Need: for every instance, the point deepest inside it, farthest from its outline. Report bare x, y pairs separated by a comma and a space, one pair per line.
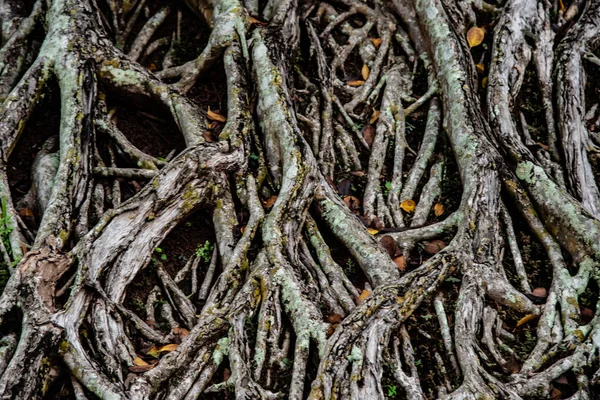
379, 204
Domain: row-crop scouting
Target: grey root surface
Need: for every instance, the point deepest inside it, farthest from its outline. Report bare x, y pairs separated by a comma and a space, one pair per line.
388, 211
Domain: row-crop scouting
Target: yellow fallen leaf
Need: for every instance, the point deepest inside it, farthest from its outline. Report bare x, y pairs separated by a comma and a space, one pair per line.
153, 352
475, 36
376, 41
561, 5
356, 83
408, 205
527, 318
480, 68
215, 116
364, 72
138, 361
168, 348
375, 116
373, 231
438, 209
484, 82
365, 293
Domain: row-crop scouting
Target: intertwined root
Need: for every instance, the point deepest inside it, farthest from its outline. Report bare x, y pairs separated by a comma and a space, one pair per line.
271, 311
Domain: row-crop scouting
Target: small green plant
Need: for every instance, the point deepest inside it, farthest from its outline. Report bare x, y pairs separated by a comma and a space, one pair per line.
387, 188
163, 256
205, 251
254, 156
392, 390
5, 230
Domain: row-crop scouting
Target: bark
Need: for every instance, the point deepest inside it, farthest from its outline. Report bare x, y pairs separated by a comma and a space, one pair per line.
275, 306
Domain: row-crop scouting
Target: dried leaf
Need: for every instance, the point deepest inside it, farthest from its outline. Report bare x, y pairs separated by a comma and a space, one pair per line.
332, 329
353, 203
542, 145
365, 293
586, 314
358, 173
438, 209
540, 292
527, 318
168, 348
138, 361
389, 244
153, 352
364, 72
226, 374
368, 133
268, 203
375, 116
434, 247
562, 5
208, 137
484, 82
215, 116
141, 368
480, 68
182, 332
400, 262
372, 231
555, 394
475, 36
376, 41
254, 21
563, 380
355, 83
334, 319
152, 67
408, 205
25, 212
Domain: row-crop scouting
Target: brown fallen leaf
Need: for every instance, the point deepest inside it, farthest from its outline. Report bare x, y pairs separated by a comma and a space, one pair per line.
168, 348
526, 319
480, 68
254, 21
215, 116
408, 205
152, 67
358, 173
364, 72
475, 36
353, 203
139, 362
376, 41
434, 246
555, 394
268, 203
226, 374
368, 132
332, 329
438, 209
389, 244
334, 319
208, 137
355, 83
375, 116
181, 332
25, 212
364, 294
586, 314
400, 263
540, 292
140, 368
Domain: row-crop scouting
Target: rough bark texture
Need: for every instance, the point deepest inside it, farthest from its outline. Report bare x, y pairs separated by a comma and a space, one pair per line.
388, 212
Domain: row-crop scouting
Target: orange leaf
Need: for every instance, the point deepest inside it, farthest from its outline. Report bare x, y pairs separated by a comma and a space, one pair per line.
375, 116
480, 68
138, 361
475, 36
561, 5
364, 72
365, 293
352, 202
408, 205
527, 318
334, 319
268, 203
152, 67
215, 116
438, 209
376, 41
255, 21
356, 83
168, 348
400, 262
